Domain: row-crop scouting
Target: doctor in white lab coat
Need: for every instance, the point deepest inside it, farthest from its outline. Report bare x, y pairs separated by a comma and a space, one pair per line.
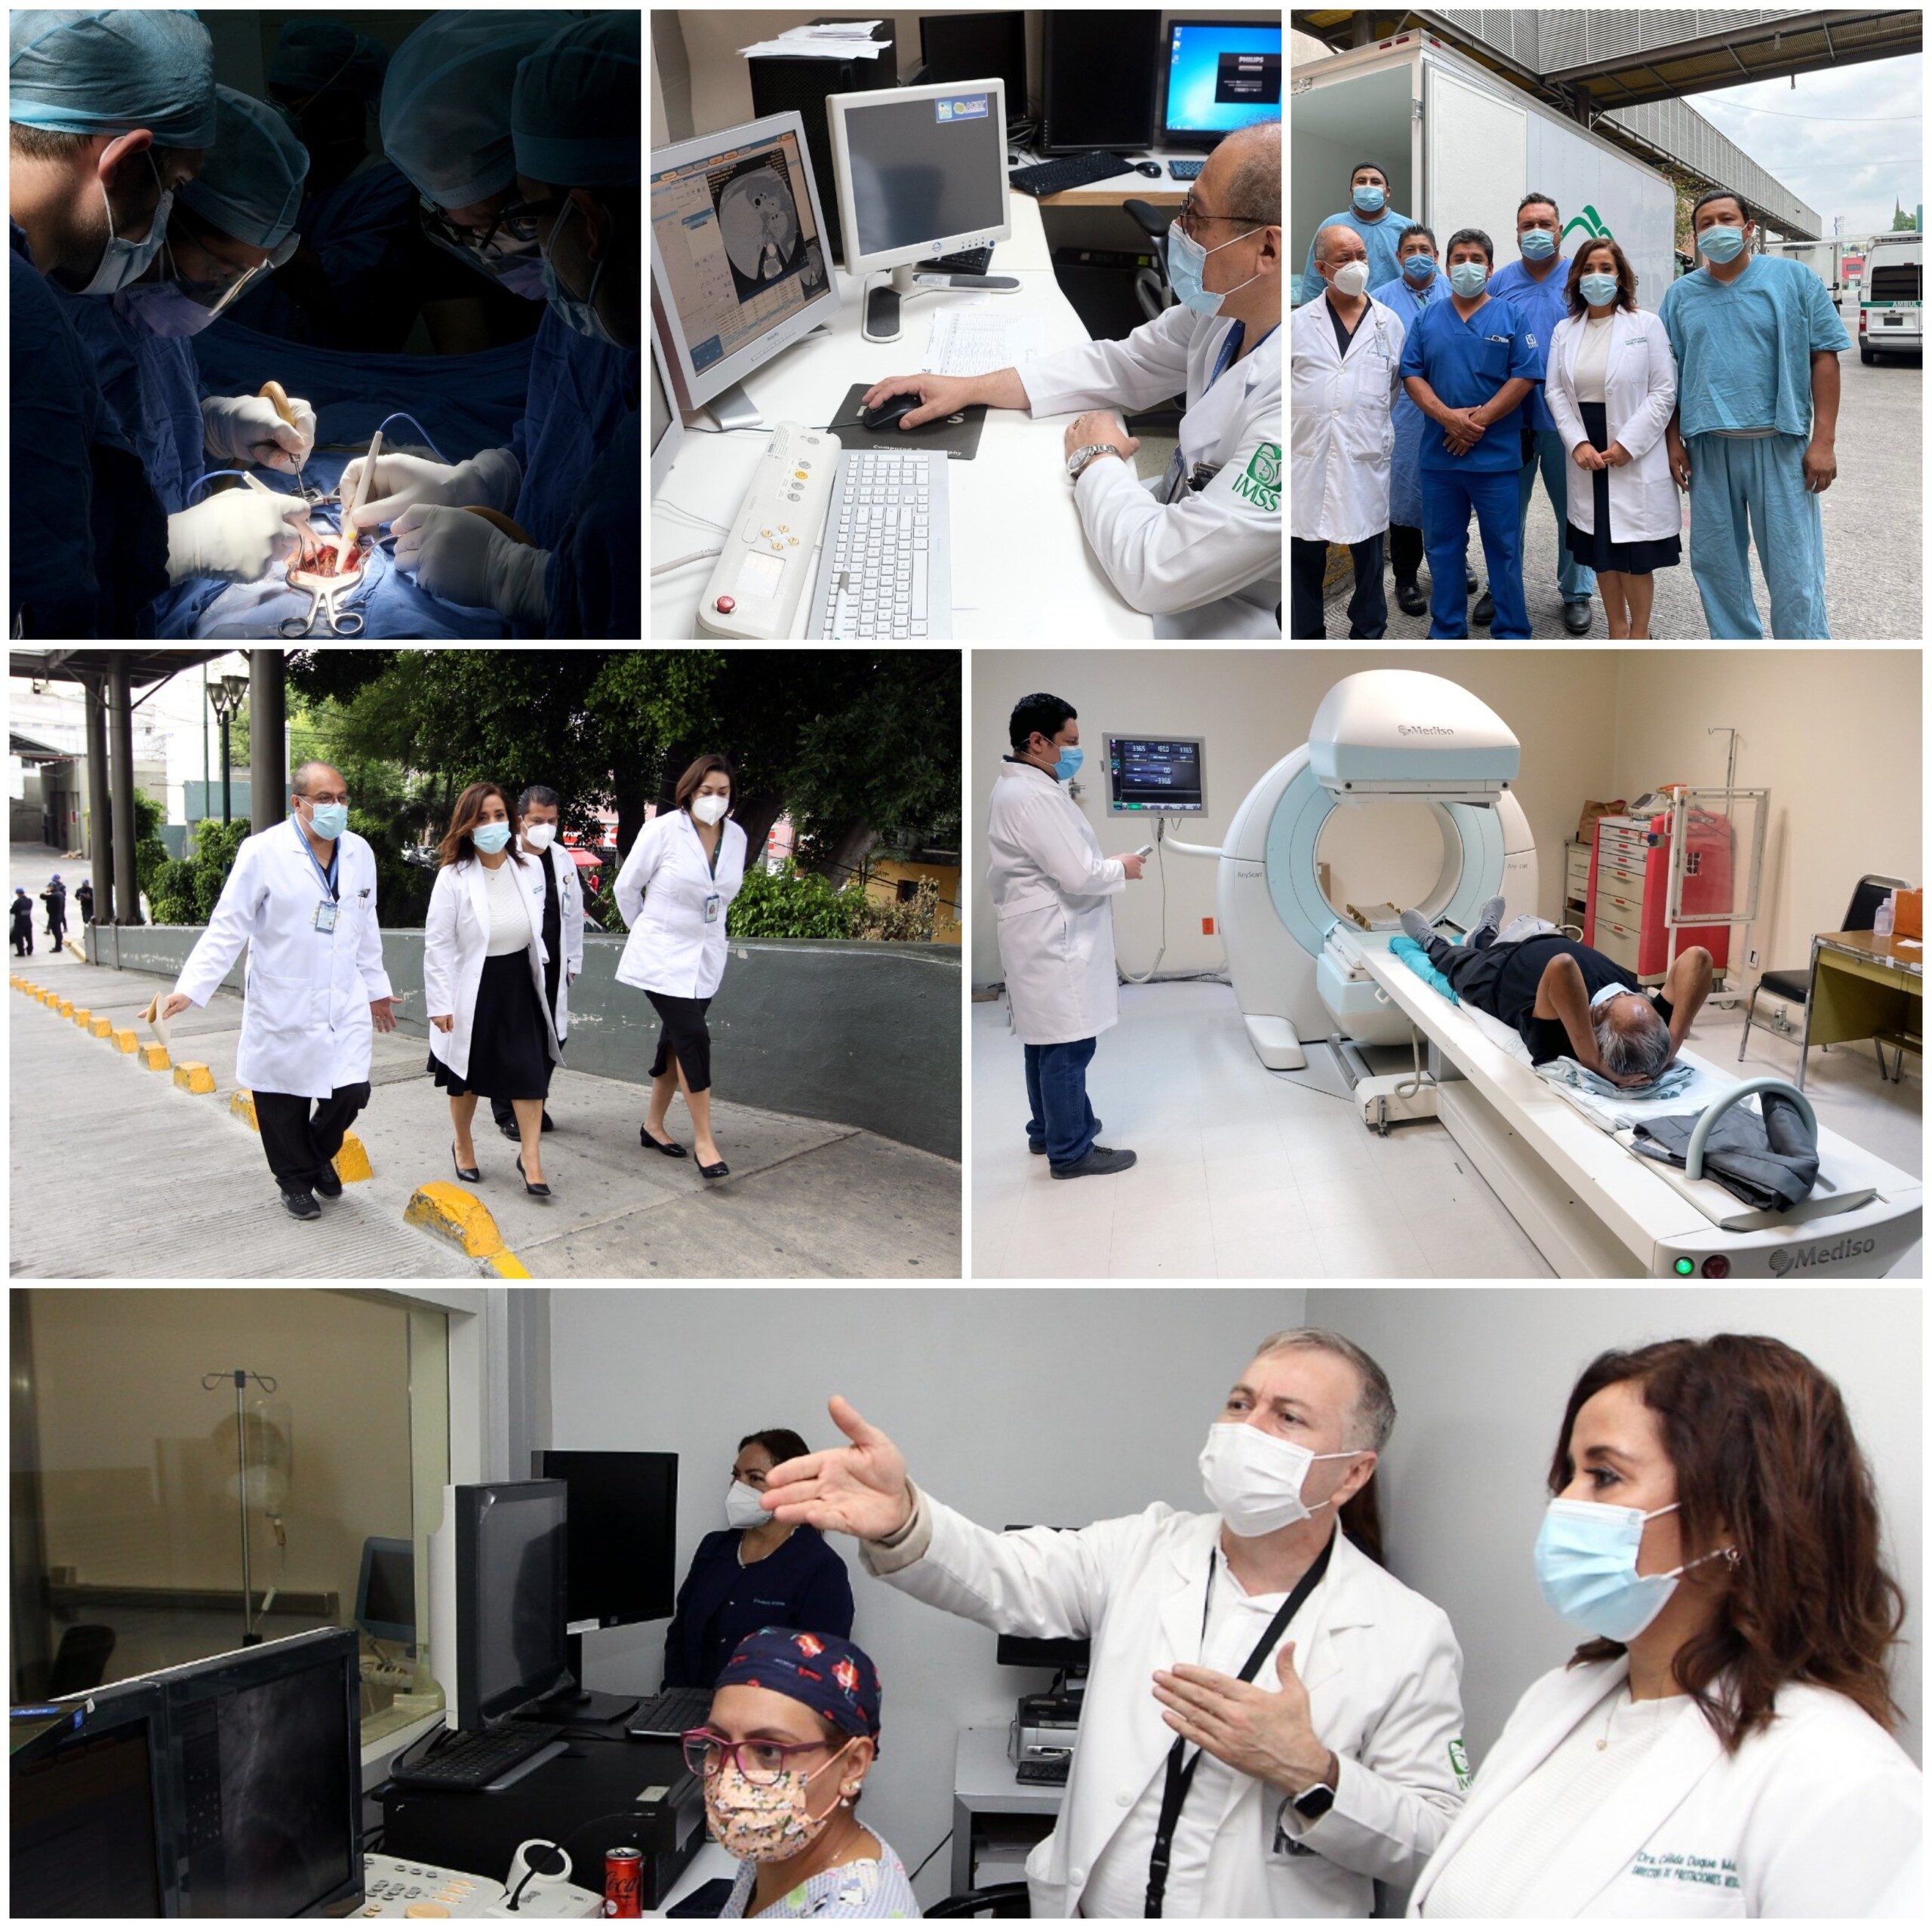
1748, 1569
1199, 548
1272, 1721
674, 891
1053, 921
301, 896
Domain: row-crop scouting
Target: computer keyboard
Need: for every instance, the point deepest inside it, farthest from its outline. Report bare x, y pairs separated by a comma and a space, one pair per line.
475, 1761
884, 570
671, 1713
1185, 171
1067, 170
968, 261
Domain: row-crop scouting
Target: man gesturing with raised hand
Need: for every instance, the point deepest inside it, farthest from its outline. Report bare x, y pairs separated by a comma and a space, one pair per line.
1272, 1723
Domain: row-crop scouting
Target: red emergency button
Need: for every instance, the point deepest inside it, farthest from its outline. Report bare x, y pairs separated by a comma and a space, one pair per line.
726, 605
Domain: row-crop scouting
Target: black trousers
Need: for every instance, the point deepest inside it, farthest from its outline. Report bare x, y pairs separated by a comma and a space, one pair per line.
298, 1146
1368, 607
23, 940
685, 1036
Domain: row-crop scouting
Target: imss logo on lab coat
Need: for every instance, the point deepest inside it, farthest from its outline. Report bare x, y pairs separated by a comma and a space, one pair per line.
1260, 482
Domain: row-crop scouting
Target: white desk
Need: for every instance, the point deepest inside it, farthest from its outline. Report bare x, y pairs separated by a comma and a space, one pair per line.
985, 1781
1020, 567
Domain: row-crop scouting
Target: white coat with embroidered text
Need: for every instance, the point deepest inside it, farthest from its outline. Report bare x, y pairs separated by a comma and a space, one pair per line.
455, 939
661, 893
1640, 392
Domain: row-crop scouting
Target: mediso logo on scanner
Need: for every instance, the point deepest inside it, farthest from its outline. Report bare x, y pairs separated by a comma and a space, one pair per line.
1424, 729
1807, 1256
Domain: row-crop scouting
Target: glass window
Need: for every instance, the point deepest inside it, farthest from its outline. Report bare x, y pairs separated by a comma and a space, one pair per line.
147, 1482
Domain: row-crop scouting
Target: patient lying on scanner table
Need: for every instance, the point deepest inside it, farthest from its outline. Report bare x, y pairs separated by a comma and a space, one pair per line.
1566, 1000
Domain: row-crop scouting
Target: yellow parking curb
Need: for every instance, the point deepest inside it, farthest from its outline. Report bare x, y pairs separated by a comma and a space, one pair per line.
126, 1042
351, 1162
197, 1078
448, 1212
243, 1106
102, 1027
154, 1057
82, 1017
505, 1264
65, 1006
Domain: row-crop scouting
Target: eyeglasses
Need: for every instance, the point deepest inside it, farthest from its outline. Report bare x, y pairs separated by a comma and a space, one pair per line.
1191, 217
512, 234
759, 1762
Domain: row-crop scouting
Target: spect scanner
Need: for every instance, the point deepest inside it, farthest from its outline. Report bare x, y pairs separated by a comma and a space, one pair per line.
1303, 973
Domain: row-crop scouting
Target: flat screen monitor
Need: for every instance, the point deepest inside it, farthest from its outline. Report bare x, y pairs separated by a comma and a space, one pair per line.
385, 1591
512, 1571
960, 47
1156, 777
1222, 74
921, 171
667, 427
265, 1748
1062, 1657
738, 251
1100, 73
623, 1518
88, 1812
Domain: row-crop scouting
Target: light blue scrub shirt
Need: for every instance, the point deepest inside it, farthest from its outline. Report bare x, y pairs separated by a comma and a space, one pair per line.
1381, 237
1404, 478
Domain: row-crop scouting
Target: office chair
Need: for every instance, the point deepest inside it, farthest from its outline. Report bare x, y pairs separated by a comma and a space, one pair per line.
1795, 986
1155, 296
81, 1661
1006, 1901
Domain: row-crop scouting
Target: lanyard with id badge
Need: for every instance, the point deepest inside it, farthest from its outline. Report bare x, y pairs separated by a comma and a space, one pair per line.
327, 909
714, 904
1180, 480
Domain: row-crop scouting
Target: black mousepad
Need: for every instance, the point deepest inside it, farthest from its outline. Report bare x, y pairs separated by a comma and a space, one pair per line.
957, 436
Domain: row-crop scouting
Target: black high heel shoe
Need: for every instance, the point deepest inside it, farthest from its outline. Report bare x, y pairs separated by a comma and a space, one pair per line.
535, 1191
468, 1173
666, 1145
721, 1170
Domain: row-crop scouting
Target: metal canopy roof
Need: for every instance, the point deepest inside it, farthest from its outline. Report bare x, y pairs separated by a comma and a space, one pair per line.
144, 667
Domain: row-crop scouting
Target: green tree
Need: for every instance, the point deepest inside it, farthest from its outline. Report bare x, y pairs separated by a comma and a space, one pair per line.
151, 856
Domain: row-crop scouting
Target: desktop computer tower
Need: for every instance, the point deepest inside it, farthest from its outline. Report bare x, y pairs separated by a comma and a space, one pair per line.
780, 86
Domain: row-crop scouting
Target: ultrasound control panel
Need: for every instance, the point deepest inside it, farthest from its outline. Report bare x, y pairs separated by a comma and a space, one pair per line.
1157, 775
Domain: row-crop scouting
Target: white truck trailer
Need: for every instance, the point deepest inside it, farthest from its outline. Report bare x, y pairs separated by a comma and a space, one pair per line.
1461, 146
1824, 258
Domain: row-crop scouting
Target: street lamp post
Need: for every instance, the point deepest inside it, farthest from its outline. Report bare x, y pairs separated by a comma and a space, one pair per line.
226, 696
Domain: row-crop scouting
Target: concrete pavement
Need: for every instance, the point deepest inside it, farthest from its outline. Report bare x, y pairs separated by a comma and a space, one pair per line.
115, 1174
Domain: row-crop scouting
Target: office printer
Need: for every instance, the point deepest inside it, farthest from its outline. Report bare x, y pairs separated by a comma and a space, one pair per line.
1045, 1726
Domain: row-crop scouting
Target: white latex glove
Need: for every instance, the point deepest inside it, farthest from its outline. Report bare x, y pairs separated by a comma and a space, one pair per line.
238, 534
244, 428
491, 478
464, 559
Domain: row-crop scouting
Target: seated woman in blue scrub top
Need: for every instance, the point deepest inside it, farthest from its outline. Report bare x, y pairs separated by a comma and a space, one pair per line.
758, 1571
1468, 364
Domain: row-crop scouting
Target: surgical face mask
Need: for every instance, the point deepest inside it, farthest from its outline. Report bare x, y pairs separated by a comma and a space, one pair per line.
1253, 1480
1070, 760
1351, 279
1598, 289
1586, 1566
1369, 200
328, 821
1721, 244
540, 836
1537, 243
125, 261
1187, 262
490, 838
709, 810
1467, 277
765, 1823
579, 314
163, 309
1419, 270
742, 1509
1608, 991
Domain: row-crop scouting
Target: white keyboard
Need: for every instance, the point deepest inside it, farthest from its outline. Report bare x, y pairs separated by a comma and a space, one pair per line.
884, 571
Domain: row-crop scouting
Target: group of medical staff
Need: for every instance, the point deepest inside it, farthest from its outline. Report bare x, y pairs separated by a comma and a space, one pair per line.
144, 198
1428, 384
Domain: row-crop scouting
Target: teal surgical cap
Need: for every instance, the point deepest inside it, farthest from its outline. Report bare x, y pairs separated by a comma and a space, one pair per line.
576, 115
446, 102
314, 56
251, 182
73, 71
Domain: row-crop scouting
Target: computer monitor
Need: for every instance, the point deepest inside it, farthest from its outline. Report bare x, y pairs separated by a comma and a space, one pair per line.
1099, 71
667, 426
960, 47
921, 171
738, 260
623, 1565
88, 1812
498, 1570
385, 1591
1062, 1656
265, 1776
1222, 74
1157, 775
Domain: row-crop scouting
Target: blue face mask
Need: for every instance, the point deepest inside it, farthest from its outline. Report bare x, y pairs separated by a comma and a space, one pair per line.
1070, 761
1419, 270
578, 314
1468, 277
1721, 244
1369, 200
328, 821
1597, 289
1587, 1567
1537, 243
490, 838
162, 308
1187, 259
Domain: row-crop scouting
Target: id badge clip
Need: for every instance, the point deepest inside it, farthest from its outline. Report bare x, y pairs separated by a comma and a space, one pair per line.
711, 904
325, 915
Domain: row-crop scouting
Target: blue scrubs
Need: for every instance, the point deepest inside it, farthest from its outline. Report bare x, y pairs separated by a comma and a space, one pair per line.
1404, 471
1744, 362
1381, 237
594, 586
1542, 304
580, 392
1466, 362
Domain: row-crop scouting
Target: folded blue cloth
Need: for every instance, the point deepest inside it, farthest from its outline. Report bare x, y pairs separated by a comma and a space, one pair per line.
1567, 1071
1413, 954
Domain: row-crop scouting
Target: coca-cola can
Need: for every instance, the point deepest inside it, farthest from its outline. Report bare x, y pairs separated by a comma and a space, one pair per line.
623, 1882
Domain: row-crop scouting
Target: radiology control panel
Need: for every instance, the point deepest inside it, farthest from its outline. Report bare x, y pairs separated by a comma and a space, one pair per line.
1157, 775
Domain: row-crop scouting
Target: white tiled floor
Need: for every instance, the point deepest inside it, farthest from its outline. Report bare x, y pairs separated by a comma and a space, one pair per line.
1243, 1175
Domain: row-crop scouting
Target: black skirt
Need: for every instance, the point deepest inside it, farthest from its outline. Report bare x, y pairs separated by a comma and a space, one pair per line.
509, 1037
684, 1036
1595, 550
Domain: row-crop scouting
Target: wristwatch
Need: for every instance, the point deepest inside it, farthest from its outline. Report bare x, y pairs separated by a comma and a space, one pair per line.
1311, 1804
1079, 458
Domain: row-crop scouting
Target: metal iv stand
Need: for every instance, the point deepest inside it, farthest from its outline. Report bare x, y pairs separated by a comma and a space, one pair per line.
238, 1377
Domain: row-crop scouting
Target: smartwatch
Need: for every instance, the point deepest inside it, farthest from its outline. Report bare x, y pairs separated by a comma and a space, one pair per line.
1313, 1803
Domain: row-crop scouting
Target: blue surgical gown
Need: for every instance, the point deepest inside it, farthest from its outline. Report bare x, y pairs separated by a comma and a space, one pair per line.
580, 391
1381, 237
1465, 363
594, 585
1405, 482
1744, 351
152, 389
1542, 304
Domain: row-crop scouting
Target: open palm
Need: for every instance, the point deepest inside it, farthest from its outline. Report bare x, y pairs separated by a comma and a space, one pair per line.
859, 1489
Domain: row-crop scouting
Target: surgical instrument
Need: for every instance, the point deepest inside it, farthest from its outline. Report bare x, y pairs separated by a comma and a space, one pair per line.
362, 482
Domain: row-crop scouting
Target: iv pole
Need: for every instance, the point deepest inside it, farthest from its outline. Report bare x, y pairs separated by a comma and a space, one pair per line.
239, 1377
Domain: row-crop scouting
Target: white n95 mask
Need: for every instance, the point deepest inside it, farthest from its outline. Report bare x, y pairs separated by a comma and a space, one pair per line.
540, 836
743, 1508
709, 810
1253, 1480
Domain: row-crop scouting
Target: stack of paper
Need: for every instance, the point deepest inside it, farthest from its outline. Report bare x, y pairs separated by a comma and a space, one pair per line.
970, 342
842, 40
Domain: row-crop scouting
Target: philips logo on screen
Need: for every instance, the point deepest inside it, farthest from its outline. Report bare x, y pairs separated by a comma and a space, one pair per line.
960, 107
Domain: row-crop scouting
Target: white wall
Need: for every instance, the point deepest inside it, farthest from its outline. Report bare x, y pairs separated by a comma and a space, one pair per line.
1463, 1483
1051, 1407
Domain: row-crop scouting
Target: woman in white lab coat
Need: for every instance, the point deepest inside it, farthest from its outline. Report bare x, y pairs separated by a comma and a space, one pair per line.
490, 1030
675, 888
1611, 384
1722, 1746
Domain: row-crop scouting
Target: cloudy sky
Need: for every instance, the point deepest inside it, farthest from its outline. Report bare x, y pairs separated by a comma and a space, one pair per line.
1858, 149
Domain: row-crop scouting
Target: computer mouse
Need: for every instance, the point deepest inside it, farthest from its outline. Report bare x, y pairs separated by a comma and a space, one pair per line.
887, 413
1150, 167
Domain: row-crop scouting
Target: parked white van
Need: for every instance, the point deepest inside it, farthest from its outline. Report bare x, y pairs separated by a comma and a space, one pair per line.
1891, 317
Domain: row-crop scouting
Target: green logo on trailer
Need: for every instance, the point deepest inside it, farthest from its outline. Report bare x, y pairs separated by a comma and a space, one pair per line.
1592, 223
